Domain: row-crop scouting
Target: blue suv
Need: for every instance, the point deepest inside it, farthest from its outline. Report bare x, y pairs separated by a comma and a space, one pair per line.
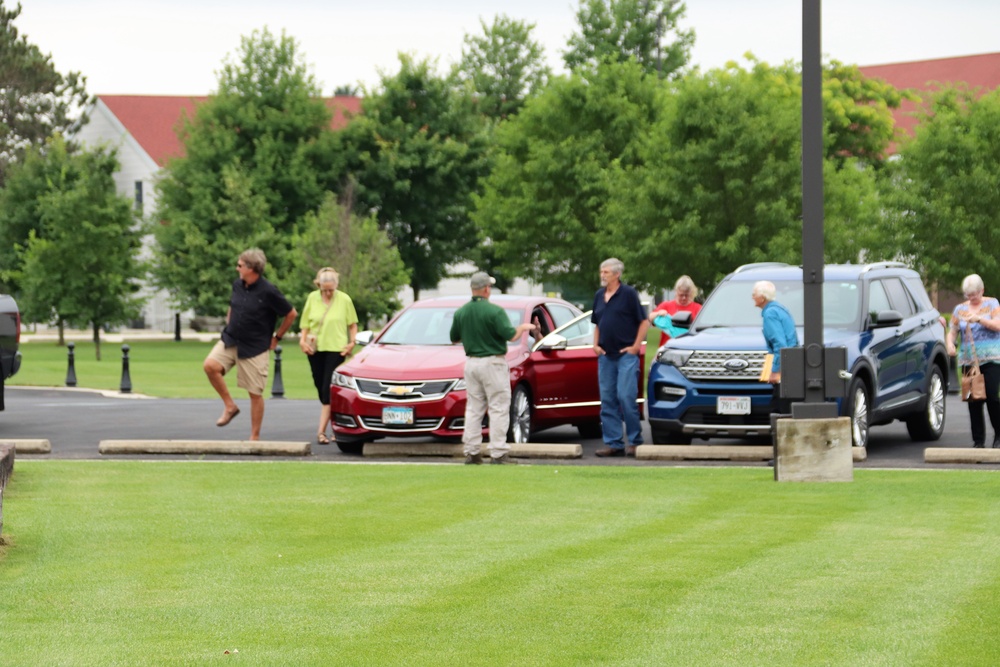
705, 383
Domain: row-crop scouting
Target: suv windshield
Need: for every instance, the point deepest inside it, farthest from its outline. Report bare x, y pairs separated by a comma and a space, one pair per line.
429, 326
730, 304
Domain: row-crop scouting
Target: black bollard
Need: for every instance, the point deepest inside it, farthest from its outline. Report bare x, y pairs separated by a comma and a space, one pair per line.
177, 327
71, 371
126, 386
277, 387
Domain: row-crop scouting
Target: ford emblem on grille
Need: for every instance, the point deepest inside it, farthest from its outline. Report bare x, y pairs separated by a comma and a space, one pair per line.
735, 364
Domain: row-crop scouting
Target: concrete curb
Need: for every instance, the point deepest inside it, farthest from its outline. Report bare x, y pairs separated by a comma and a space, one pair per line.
247, 447
532, 450
961, 455
720, 453
29, 446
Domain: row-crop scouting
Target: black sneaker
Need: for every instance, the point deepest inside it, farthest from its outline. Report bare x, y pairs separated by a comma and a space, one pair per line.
473, 459
503, 459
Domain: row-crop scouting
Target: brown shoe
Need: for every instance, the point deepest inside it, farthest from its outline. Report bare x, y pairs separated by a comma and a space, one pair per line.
473, 459
630, 451
503, 459
610, 451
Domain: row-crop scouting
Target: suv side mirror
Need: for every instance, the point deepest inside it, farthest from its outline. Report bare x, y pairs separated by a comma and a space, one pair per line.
682, 319
364, 337
886, 318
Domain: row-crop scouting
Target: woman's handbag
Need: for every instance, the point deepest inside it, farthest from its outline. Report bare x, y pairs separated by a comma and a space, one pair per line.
973, 381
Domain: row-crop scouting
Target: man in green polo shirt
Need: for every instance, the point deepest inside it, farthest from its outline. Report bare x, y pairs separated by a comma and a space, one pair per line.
483, 329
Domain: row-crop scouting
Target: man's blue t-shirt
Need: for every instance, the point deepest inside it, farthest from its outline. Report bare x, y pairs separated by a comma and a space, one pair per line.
618, 319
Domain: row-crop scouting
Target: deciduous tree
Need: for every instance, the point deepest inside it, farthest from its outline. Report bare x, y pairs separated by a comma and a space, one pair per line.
416, 154
646, 31
253, 167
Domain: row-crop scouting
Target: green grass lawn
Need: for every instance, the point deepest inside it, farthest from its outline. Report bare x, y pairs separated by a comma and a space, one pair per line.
174, 563
164, 368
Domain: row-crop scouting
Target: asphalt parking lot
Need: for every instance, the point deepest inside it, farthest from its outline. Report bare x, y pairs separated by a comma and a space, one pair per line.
75, 421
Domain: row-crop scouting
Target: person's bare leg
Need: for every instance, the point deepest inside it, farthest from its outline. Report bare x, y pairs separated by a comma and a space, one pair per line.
324, 419
256, 415
215, 373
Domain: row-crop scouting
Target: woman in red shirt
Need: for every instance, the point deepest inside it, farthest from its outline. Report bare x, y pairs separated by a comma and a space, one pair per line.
684, 294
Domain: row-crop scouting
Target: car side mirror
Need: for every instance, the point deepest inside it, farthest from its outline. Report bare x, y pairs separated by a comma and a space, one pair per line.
364, 337
552, 342
681, 318
887, 318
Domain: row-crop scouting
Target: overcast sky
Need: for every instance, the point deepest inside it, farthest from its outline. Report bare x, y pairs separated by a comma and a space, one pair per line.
175, 47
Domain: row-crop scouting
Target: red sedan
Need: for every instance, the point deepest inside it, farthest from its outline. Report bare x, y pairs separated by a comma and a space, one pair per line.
408, 380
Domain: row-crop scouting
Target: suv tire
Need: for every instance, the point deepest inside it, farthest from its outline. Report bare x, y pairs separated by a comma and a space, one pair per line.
859, 410
928, 424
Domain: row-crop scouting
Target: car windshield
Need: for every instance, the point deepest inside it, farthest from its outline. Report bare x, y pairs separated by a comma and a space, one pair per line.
730, 304
429, 326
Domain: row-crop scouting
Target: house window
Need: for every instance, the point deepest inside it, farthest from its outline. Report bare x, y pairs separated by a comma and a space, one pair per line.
138, 195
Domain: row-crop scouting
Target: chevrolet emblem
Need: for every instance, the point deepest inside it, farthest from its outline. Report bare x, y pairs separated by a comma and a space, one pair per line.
398, 390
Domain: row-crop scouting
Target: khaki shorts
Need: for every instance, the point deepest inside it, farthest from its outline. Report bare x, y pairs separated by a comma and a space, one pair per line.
251, 374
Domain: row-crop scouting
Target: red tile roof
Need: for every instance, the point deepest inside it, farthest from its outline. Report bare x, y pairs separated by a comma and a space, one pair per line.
979, 71
154, 120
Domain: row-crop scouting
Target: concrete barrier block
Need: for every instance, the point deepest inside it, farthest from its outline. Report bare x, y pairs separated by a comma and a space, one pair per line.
705, 452
29, 446
961, 455
814, 450
228, 447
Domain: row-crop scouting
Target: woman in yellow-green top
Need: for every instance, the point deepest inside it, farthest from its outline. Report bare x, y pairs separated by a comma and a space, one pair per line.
329, 328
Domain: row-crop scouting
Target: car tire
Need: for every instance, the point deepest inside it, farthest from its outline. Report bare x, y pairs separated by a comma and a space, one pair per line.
351, 445
590, 430
928, 424
859, 410
520, 415
664, 437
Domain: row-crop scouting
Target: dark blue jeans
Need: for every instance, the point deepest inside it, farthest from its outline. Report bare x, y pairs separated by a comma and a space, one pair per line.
618, 379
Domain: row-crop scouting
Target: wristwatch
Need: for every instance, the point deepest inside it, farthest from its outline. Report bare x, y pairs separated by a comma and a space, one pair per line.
278, 337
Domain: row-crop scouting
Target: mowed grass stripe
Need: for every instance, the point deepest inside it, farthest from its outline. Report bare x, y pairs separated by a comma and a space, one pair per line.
112, 562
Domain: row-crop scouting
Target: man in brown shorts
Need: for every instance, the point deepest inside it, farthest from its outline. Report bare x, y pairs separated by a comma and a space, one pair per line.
248, 338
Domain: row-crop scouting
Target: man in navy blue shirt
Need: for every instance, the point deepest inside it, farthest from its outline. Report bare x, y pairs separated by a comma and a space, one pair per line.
619, 331
248, 338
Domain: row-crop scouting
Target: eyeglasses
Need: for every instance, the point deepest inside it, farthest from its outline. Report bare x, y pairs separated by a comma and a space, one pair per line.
240, 265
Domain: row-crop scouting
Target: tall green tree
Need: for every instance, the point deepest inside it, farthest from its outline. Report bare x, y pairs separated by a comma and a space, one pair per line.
416, 154
36, 101
503, 66
78, 260
541, 205
254, 165
646, 31
719, 184
943, 189
371, 270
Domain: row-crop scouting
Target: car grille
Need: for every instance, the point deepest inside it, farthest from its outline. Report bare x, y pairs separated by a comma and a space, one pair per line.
425, 424
404, 392
724, 365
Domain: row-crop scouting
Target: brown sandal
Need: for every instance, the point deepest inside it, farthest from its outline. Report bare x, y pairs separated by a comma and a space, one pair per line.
321, 439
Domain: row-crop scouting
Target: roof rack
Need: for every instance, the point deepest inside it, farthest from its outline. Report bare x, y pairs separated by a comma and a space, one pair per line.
759, 265
884, 265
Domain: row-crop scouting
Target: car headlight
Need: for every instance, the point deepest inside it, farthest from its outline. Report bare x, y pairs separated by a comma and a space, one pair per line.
672, 357
460, 385
345, 381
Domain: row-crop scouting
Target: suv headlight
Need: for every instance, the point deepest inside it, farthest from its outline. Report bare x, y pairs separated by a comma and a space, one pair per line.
673, 357
345, 381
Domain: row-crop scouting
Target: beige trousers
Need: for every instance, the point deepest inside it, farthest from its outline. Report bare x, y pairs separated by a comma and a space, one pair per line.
487, 382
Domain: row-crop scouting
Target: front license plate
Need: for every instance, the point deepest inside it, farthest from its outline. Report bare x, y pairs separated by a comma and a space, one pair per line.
397, 415
732, 405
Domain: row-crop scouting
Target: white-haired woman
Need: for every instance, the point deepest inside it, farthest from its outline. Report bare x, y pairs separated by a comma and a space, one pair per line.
779, 333
683, 301
978, 318
329, 329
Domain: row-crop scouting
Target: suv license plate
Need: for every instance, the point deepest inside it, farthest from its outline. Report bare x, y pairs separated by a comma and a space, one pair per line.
732, 405
397, 415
